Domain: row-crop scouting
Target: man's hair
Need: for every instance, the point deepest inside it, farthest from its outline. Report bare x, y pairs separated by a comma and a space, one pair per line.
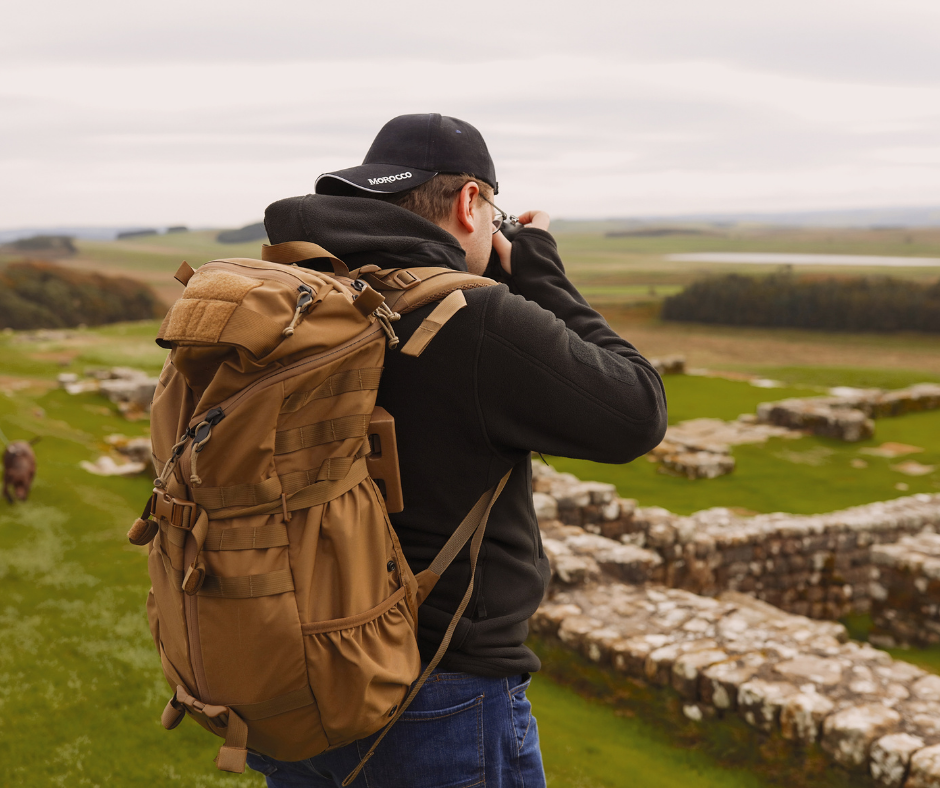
434, 199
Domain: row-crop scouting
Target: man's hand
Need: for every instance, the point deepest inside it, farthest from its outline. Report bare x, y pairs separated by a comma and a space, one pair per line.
537, 219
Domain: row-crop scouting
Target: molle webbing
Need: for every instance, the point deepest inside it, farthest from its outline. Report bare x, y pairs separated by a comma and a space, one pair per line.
366, 379
238, 494
312, 495
244, 587
286, 441
331, 469
246, 537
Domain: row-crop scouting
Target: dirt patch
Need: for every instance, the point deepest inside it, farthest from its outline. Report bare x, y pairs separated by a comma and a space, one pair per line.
891, 450
61, 357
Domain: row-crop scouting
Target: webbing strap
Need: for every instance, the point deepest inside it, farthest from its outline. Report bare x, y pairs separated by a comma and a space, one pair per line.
234, 753
476, 518
331, 469
296, 251
248, 586
243, 587
238, 495
474, 523
246, 537
312, 495
322, 432
433, 323
279, 705
321, 492
365, 379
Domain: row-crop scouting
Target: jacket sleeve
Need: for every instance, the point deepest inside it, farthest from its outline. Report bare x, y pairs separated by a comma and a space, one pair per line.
553, 377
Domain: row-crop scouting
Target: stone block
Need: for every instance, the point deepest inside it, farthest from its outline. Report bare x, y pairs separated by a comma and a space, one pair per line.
760, 702
925, 768
848, 734
891, 757
803, 714
629, 656
687, 669
546, 507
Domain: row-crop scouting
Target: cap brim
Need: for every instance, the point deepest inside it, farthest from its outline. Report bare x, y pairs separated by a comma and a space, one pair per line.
371, 179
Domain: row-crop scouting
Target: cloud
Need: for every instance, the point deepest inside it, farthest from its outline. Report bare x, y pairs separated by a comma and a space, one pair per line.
202, 112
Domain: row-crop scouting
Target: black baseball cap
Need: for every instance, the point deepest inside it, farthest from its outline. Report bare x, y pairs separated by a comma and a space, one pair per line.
410, 150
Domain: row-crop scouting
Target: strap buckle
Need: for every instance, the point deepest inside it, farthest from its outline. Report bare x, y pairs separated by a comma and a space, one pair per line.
178, 513
404, 279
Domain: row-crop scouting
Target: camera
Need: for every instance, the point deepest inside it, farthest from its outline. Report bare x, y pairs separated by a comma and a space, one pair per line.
511, 227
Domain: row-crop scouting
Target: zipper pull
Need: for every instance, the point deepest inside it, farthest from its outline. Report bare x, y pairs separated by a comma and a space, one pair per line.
304, 300
203, 431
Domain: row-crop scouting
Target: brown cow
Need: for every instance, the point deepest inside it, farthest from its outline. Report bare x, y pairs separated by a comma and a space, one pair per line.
19, 468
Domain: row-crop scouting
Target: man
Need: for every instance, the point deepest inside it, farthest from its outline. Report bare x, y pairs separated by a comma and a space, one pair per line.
527, 366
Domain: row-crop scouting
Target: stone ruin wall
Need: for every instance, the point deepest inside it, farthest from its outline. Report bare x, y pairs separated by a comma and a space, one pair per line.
820, 566
849, 416
906, 611
728, 654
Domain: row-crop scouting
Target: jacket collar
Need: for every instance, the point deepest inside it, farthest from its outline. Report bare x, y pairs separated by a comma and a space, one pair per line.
362, 231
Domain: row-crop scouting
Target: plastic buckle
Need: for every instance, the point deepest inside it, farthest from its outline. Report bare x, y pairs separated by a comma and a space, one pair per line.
404, 279
166, 507
176, 513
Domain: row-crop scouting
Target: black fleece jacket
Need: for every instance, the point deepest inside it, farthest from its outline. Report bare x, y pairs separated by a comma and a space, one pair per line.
526, 366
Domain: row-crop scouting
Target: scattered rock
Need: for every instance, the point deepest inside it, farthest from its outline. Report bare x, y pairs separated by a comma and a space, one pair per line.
106, 466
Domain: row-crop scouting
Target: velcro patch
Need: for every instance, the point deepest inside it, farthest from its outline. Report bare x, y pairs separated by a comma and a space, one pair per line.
193, 320
219, 286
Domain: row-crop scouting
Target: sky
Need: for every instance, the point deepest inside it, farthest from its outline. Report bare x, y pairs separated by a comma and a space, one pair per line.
202, 112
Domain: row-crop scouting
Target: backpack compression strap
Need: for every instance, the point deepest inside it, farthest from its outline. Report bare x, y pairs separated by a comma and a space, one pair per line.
473, 525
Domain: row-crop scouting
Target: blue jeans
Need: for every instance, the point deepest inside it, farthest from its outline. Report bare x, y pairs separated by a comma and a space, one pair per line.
460, 731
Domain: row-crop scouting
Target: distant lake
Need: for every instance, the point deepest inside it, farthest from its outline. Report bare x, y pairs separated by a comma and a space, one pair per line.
760, 258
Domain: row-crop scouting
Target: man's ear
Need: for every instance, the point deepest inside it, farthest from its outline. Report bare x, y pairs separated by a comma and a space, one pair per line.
467, 206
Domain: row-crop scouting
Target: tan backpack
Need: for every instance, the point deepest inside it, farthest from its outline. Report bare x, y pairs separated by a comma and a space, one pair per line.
282, 607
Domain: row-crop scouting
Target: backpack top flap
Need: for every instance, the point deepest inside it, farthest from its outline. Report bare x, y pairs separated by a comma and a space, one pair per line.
262, 310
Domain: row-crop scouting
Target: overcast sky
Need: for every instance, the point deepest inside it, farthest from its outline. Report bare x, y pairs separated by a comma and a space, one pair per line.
201, 112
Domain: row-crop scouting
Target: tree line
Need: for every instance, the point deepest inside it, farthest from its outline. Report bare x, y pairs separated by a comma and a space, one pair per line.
880, 303
42, 295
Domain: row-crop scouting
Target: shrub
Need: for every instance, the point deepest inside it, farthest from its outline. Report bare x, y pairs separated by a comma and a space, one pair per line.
57, 244
251, 232
43, 295
880, 304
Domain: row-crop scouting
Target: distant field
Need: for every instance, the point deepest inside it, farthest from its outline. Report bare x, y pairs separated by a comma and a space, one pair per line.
612, 270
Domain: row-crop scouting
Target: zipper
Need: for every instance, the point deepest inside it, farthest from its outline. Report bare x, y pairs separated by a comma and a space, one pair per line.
191, 610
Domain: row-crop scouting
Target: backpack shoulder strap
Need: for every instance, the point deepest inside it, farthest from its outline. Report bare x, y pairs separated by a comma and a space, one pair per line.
407, 289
